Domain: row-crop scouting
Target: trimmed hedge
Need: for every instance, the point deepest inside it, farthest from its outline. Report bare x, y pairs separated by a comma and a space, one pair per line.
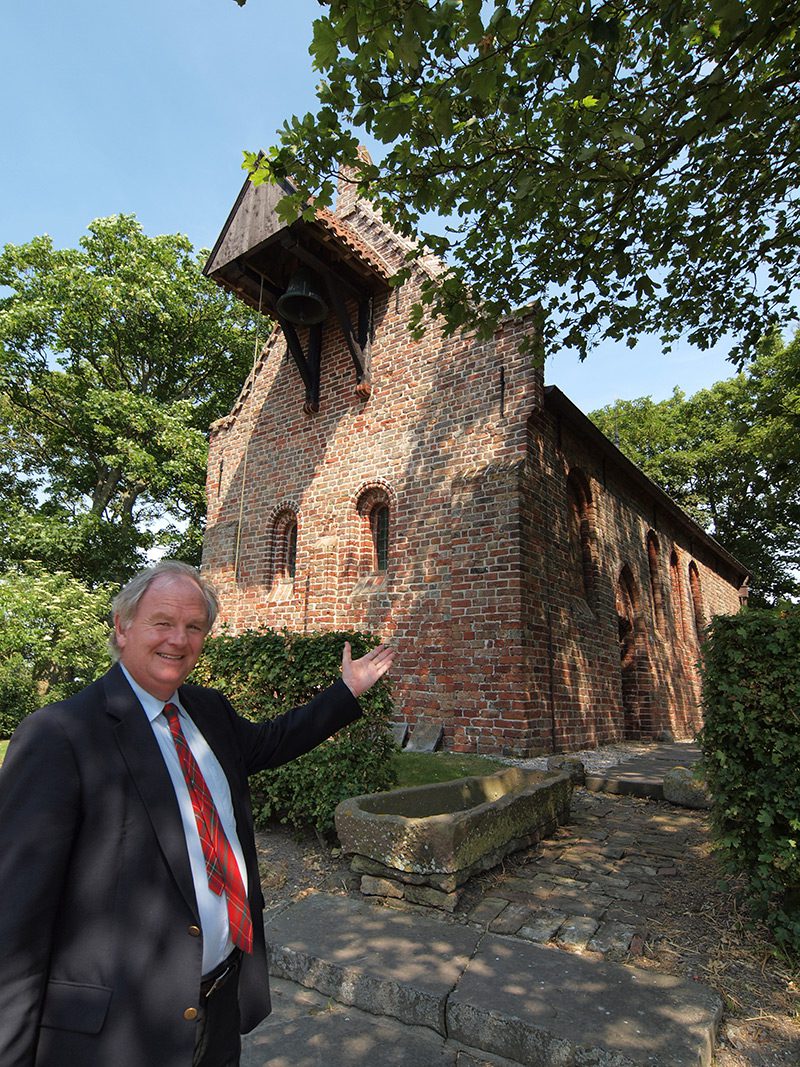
751, 750
265, 672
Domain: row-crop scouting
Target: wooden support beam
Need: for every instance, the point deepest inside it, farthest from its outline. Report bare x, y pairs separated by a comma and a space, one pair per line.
358, 343
308, 365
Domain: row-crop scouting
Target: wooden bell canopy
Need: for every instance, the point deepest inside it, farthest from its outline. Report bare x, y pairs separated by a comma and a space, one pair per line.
307, 275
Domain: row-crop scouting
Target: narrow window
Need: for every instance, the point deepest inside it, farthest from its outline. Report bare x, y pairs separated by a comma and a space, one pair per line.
379, 524
579, 522
677, 595
290, 563
655, 579
284, 546
697, 602
375, 518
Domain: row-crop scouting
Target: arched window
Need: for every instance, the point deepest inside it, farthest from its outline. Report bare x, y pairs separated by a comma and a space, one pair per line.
290, 554
579, 519
656, 588
697, 602
379, 526
677, 595
626, 605
374, 509
284, 545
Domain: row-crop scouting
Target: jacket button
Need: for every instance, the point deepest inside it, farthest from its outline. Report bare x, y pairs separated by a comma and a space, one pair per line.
194, 931
190, 1014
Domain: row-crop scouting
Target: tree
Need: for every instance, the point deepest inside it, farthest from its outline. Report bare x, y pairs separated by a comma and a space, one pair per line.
730, 456
53, 633
114, 359
634, 167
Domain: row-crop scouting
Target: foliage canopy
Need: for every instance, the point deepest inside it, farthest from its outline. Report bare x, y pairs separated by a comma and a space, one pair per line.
730, 456
114, 359
53, 639
634, 167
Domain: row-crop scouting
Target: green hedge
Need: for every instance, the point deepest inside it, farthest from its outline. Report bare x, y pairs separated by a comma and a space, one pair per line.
751, 749
264, 672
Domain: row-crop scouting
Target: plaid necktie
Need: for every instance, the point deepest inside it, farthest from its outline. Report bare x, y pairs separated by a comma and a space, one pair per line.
221, 866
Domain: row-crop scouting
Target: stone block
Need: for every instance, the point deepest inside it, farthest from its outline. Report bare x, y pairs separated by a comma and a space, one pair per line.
542, 925
380, 887
570, 765
577, 931
425, 737
683, 787
399, 732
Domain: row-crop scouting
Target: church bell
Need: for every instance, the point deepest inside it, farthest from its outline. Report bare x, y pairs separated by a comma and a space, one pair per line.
302, 303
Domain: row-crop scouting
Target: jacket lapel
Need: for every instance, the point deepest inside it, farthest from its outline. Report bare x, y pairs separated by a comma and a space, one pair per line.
141, 753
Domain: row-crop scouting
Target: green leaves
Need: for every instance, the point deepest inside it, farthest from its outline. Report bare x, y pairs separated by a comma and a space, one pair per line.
265, 672
751, 749
730, 456
669, 123
114, 359
53, 633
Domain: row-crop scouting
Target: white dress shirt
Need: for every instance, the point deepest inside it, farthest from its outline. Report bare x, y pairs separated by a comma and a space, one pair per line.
213, 909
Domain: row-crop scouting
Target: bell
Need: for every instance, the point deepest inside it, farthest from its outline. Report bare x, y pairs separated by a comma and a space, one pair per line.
302, 303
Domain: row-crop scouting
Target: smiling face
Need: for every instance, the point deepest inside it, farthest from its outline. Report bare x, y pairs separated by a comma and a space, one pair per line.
162, 643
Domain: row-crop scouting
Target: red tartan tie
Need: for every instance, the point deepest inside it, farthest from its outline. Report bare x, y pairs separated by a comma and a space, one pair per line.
221, 866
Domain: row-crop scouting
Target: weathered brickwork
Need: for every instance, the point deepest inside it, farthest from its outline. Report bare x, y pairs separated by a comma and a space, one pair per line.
503, 587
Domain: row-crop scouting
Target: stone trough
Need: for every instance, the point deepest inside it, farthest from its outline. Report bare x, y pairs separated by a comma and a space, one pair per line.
422, 844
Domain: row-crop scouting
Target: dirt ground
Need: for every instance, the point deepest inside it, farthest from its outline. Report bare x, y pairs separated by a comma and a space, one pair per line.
699, 933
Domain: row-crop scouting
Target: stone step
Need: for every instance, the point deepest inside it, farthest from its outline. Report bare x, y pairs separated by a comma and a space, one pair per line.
532, 1005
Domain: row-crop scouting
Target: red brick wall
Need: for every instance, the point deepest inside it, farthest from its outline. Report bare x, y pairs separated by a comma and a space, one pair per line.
478, 597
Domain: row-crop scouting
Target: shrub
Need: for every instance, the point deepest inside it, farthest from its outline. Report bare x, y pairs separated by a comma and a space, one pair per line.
264, 672
57, 625
751, 750
18, 696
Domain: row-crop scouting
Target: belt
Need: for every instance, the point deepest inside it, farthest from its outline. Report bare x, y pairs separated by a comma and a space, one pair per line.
217, 978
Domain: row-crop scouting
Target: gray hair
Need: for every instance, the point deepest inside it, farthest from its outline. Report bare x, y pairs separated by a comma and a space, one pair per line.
126, 601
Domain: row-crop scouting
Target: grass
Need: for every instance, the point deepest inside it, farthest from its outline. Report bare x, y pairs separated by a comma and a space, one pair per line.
421, 768
424, 768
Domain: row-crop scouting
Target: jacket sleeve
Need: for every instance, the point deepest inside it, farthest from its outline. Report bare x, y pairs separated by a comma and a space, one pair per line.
284, 738
39, 805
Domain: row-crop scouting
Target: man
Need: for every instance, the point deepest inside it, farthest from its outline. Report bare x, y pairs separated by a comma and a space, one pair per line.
130, 905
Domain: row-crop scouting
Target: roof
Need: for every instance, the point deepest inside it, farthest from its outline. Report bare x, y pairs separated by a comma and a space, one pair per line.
257, 252
560, 405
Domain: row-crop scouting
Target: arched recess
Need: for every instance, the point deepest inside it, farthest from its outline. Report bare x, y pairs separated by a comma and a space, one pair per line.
283, 543
636, 685
697, 602
676, 588
656, 585
376, 511
580, 522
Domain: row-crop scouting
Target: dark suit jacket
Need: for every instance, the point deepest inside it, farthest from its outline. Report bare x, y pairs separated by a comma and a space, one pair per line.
100, 953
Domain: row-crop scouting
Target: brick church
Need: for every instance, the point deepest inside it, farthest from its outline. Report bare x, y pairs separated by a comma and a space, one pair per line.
543, 594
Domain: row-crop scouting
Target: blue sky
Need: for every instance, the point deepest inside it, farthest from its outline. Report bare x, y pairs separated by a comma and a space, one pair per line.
145, 107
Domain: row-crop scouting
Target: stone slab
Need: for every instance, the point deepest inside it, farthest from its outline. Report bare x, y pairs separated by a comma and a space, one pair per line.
425, 737
380, 960
626, 783
399, 732
643, 776
543, 1006
307, 1029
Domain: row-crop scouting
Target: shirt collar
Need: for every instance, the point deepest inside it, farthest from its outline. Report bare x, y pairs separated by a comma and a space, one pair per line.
152, 705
